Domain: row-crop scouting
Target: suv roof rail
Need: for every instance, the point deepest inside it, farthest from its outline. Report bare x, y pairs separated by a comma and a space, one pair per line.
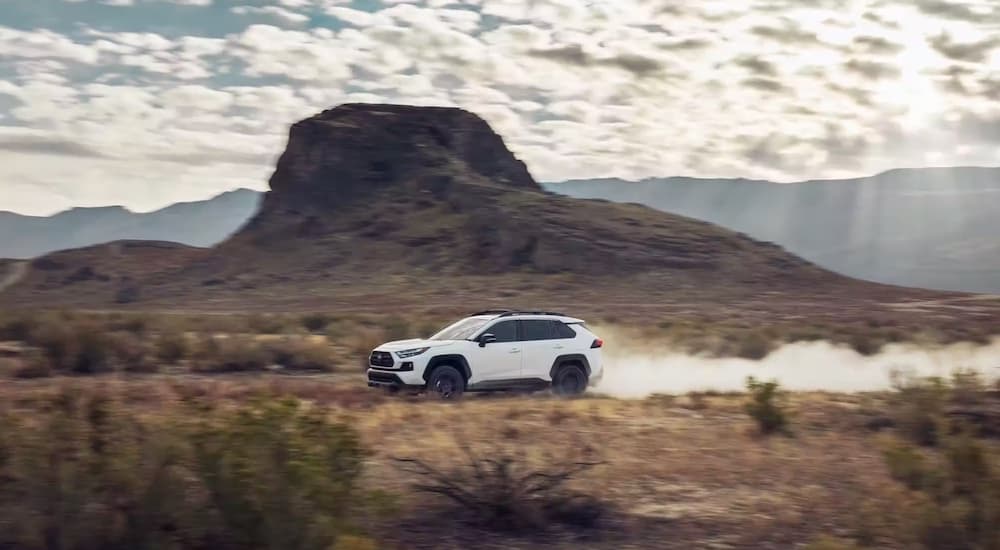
491, 312
509, 313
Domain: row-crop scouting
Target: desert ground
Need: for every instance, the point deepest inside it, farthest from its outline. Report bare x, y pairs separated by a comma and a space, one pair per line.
114, 405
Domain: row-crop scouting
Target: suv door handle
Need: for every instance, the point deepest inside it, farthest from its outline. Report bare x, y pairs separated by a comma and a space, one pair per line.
558, 346
515, 351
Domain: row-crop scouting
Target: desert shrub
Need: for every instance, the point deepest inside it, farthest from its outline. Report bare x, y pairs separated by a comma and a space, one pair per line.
131, 353
865, 342
278, 476
362, 342
960, 494
232, 354
265, 323
17, 325
753, 345
127, 294
397, 328
499, 488
301, 354
765, 406
85, 472
30, 366
832, 543
354, 542
917, 407
172, 346
75, 346
128, 322
906, 465
426, 329
967, 387
316, 322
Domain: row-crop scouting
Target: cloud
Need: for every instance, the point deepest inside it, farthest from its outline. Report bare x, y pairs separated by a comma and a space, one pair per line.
954, 9
281, 14
757, 66
877, 45
780, 89
43, 144
44, 44
764, 84
973, 52
872, 69
574, 54
788, 33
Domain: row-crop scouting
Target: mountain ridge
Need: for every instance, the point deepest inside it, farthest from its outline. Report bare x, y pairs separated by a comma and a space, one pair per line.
938, 265
913, 227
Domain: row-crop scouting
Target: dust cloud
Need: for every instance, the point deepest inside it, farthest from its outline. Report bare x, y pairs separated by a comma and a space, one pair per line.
800, 366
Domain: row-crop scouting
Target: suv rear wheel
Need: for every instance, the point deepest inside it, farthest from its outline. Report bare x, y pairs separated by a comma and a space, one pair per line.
569, 380
446, 383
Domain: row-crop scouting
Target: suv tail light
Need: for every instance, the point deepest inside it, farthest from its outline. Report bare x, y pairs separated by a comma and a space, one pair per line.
597, 343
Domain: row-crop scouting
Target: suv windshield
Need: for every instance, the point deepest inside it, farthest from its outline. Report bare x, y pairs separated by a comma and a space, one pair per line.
462, 330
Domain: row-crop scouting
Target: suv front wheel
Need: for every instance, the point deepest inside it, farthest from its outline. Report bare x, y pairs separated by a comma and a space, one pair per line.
569, 380
446, 383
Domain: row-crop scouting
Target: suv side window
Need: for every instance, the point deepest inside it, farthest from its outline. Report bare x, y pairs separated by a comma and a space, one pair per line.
536, 329
505, 331
562, 330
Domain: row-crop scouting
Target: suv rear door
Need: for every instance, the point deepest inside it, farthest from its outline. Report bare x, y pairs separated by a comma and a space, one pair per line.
542, 341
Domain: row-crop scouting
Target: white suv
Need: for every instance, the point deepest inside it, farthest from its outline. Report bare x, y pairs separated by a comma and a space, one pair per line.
493, 350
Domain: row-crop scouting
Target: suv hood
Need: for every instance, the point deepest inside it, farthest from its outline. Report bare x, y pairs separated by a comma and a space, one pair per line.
400, 345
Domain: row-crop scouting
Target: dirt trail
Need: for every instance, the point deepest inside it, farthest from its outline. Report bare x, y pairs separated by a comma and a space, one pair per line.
16, 272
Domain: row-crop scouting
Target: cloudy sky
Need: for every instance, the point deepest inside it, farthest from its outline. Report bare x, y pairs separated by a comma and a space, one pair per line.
146, 102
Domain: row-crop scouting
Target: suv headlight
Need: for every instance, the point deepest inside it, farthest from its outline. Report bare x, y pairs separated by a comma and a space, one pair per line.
411, 352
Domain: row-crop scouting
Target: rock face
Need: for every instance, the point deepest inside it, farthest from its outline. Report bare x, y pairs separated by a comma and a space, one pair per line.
355, 150
371, 204
391, 189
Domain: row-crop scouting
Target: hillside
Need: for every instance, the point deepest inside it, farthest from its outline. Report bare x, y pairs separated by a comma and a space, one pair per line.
932, 227
199, 223
105, 274
391, 208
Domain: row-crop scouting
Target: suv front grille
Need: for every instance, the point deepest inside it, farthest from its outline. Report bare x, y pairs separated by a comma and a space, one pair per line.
381, 359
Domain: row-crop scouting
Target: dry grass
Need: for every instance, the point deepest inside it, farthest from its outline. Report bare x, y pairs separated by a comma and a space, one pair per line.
696, 476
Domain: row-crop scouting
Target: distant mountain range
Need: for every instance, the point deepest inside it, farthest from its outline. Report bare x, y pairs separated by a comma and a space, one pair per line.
200, 223
930, 227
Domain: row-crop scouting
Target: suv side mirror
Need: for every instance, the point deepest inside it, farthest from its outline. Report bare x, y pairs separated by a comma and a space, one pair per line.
486, 339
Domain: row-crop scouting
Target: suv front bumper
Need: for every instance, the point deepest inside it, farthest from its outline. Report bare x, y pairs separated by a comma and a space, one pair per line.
379, 378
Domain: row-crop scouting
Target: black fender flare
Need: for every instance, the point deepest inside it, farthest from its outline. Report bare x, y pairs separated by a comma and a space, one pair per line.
451, 359
569, 358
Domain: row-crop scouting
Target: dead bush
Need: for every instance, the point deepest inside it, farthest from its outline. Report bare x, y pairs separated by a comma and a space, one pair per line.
917, 407
74, 346
753, 345
766, 406
297, 354
397, 328
499, 488
172, 345
131, 353
316, 322
231, 354
84, 472
959, 489
832, 543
